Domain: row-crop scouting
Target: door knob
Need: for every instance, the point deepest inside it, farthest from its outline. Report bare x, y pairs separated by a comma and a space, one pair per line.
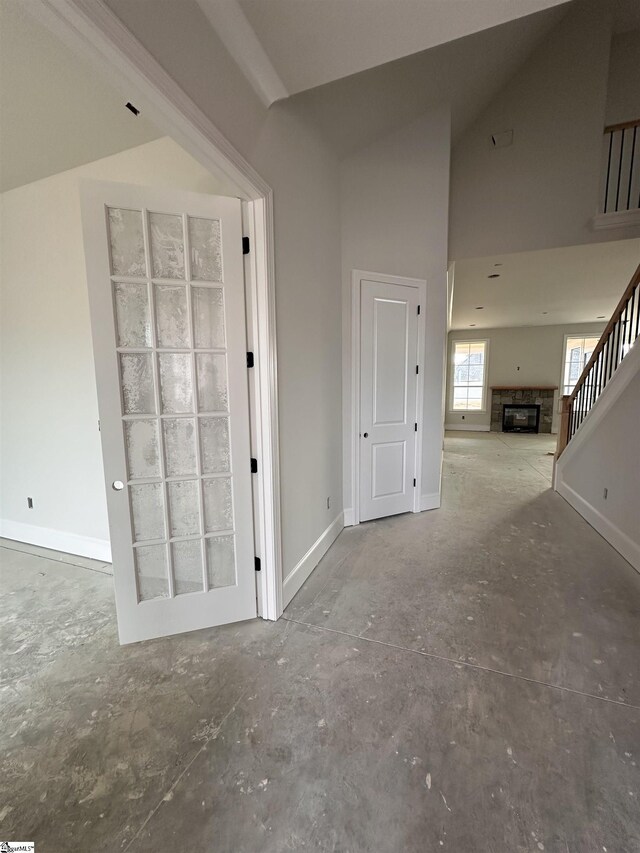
117, 485
366, 435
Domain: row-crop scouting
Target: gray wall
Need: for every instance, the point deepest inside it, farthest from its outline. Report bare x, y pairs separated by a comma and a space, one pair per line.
531, 355
544, 190
623, 93
394, 220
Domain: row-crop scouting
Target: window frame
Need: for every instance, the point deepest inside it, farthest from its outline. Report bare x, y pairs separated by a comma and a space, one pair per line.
485, 377
576, 336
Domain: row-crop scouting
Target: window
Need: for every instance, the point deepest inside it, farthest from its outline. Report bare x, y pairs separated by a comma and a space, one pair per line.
577, 352
468, 381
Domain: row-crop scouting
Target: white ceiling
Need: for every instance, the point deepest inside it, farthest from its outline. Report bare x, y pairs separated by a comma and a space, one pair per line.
56, 111
465, 73
577, 284
313, 42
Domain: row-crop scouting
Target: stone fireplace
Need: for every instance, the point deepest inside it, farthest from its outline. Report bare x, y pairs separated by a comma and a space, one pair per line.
502, 395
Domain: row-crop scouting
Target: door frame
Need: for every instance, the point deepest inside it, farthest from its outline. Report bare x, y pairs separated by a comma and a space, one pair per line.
97, 34
357, 277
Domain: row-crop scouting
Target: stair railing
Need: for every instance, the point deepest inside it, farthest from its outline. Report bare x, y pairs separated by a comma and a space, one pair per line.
622, 184
617, 339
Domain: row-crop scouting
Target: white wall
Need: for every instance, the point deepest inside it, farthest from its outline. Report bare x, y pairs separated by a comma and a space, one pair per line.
623, 90
530, 355
304, 176
542, 191
604, 454
49, 440
394, 220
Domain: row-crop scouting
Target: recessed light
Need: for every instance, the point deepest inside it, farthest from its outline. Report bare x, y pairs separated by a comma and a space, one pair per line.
545, 312
480, 308
497, 265
494, 275
471, 324
601, 317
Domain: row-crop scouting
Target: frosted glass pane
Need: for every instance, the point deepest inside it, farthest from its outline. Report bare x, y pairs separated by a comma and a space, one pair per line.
126, 242
147, 507
214, 443
167, 245
221, 561
179, 446
136, 372
218, 505
187, 566
208, 317
175, 382
184, 508
151, 570
172, 321
133, 323
206, 260
211, 370
141, 441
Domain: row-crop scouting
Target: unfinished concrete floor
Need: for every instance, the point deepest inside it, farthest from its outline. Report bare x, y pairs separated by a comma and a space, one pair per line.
462, 680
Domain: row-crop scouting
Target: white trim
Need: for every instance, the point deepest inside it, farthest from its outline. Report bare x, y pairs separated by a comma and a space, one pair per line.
307, 564
239, 38
619, 219
469, 427
348, 517
56, 540
485, 377
94, 31
430, 501
623, 544
357, 276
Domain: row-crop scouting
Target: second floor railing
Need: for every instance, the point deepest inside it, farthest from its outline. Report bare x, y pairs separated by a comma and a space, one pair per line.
619, 336
622, 152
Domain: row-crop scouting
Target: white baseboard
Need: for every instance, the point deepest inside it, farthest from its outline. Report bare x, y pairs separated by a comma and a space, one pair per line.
348, 517
623, 544
429, 501
470, 427
307, 564
57, 540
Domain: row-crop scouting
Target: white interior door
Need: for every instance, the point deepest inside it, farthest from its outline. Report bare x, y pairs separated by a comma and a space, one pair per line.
166, 291
388, 386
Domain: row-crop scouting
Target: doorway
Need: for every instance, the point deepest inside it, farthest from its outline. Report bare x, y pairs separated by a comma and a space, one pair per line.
387, 345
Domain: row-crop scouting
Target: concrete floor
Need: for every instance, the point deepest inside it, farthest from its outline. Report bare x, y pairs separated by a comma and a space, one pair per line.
462, 680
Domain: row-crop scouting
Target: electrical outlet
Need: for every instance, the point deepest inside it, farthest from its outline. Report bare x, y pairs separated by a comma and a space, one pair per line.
30, 503
329, 503
605, 493
463, 417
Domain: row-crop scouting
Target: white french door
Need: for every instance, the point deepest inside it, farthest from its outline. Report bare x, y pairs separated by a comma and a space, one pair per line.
388, 398
166, 292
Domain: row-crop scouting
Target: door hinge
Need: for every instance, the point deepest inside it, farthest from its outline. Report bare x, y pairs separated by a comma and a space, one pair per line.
418, 309
414, 482
246, 245
250, 361
254, 466
98, 426
258, 566
417, 369
415, 427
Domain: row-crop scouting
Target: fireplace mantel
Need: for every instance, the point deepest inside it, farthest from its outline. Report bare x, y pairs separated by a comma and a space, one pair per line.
524, 387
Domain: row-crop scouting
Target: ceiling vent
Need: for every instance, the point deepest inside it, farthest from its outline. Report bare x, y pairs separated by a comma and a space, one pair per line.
503, 139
